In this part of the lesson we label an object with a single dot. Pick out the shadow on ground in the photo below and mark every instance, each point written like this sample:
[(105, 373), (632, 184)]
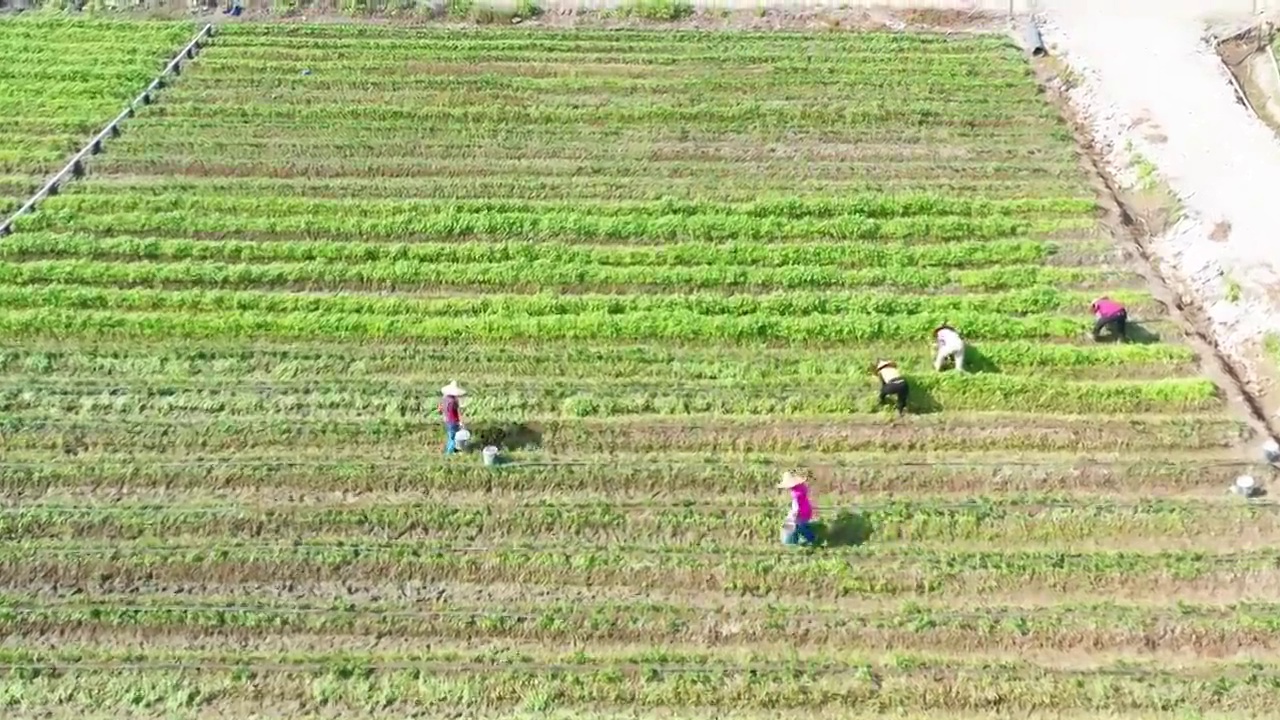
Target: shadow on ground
[(847, 529), (505, 436), (975, 361)]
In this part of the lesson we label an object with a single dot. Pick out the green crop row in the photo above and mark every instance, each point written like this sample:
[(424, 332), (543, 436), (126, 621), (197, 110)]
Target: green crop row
[(917, 524), (656, 152), (746, 114), (667, 209), (63, 27), (600, 164), (551, 275), (361, 691), (422, 473), (72, 105), (946, 432), (273, 70), (576, 398), (978, 315), (757, 254), (275, 363), (595, 326), (549, 226), (500, 364)]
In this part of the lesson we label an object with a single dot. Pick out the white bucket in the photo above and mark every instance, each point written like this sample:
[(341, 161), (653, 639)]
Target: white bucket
[(490, 455), (1245, 485), (461, 438), (1271, 450), (787, 536)]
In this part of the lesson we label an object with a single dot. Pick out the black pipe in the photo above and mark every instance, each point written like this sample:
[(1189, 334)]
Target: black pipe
[(1034, 43)]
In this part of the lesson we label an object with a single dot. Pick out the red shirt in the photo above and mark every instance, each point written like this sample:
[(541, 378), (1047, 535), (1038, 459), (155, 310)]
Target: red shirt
[(1106, 307), (449, 408)]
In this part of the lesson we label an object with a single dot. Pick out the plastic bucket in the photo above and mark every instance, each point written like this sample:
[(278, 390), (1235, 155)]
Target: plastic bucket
[(490, 455), (789, 535), (1271, 451), (461, 438), (1245, 485)]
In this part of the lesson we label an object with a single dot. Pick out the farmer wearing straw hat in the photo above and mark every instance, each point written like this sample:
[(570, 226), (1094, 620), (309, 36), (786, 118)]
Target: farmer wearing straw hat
[(892, 383), (950, 345), (452, 413), (801, 516)]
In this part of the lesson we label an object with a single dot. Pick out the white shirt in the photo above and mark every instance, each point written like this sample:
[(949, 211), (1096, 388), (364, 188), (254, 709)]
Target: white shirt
[(949, 338)]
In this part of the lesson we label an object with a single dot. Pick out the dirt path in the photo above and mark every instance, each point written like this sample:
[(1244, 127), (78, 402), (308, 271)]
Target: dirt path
[(1162, 107)]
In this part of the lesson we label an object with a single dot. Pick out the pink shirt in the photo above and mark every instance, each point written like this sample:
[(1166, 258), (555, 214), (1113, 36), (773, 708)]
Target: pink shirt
[(1106, 307), (800, 506), (449, 408)]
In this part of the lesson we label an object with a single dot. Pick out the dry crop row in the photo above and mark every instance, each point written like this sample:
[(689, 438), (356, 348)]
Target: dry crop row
[(915, 524), (909, 627), (728, 569), (355, 686)]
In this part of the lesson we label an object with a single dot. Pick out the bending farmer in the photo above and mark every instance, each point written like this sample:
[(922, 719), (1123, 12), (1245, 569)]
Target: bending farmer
[(892, 383), (1109, 312), (452, 413), (801, 515), (949, 346)]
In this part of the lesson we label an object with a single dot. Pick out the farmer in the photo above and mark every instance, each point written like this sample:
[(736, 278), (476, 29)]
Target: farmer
[(1109, 312), (949, 346), (801, 515), (892, 383), (452, 414)]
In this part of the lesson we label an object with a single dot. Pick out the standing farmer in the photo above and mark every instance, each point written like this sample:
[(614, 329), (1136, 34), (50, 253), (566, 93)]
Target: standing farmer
[(950, 345), (801, 515), (1109, 312), (892, 383), (452, 413)]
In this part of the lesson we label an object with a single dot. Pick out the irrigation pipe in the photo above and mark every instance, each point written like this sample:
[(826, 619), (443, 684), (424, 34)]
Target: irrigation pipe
[(75, 167)]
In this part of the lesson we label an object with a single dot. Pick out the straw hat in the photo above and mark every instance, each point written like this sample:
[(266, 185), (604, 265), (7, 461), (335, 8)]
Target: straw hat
[(884, 364), (452, 389), (790, 480)]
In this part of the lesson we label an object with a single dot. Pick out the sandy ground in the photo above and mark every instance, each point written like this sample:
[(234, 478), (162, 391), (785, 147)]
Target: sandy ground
[(1150, 84)]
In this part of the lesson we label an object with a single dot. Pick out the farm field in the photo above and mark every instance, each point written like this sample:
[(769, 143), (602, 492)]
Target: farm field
[(62, 81), (662, 262)]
